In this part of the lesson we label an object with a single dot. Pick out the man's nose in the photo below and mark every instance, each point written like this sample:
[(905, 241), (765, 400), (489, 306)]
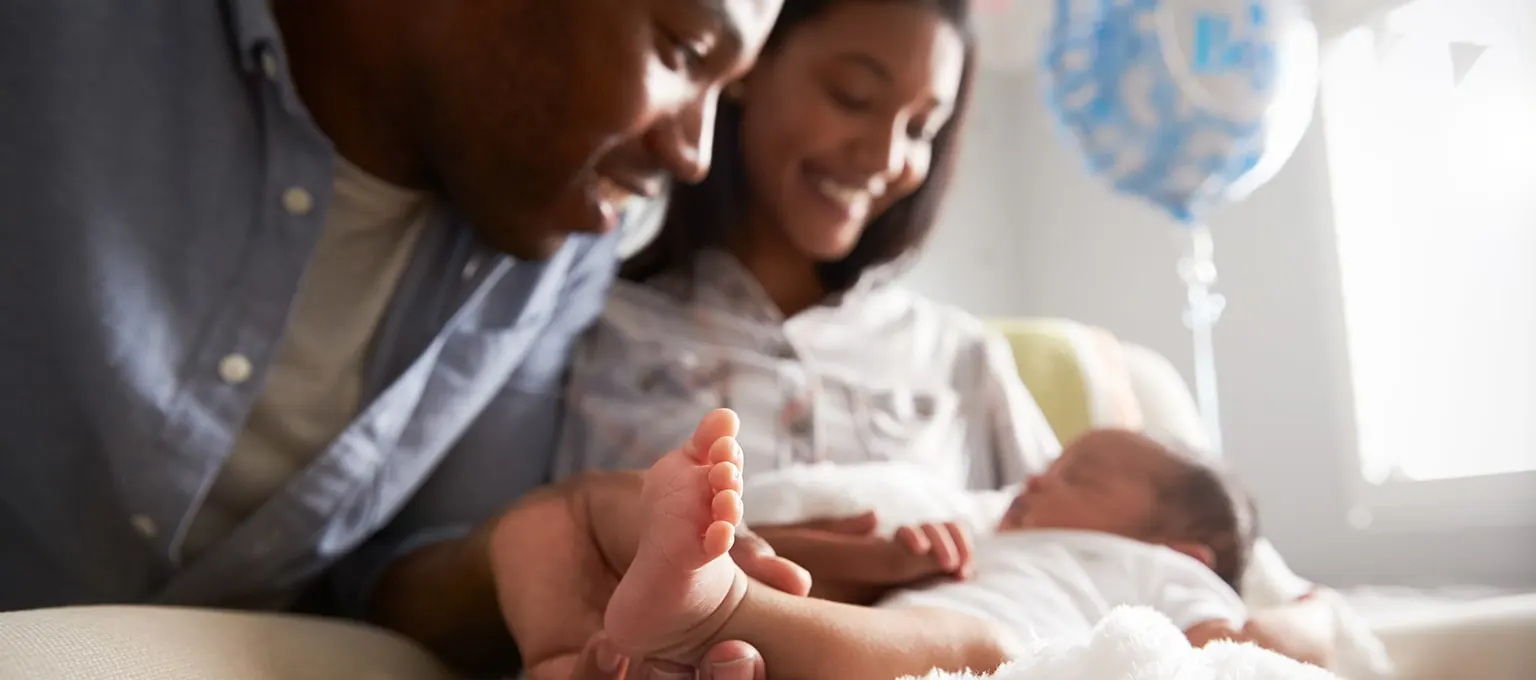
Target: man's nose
[(685, 142)]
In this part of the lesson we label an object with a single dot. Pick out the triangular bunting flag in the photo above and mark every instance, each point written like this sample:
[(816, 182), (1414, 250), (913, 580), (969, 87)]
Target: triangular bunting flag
[(1464, 56), (1386, 38)]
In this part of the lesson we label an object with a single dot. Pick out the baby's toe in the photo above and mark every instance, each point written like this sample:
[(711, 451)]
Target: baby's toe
[(725, 450), (718, 539), (726, 507), (725, 477)]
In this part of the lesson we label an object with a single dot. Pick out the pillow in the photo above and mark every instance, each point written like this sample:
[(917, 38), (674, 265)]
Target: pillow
[(1077, 374)]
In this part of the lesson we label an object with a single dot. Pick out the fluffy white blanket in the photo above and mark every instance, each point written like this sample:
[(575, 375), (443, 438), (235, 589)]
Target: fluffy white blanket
[(1135, 643)]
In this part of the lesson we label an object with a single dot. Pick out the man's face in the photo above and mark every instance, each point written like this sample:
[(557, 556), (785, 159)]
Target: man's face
[(539, 118)]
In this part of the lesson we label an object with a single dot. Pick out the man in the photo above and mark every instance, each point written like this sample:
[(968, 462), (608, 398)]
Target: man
[(289, 284)]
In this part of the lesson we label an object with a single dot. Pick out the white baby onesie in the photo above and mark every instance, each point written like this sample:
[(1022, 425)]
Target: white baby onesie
[(1059, 584)]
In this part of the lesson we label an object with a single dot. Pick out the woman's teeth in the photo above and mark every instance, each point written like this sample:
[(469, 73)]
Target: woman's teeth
[(842, 193)]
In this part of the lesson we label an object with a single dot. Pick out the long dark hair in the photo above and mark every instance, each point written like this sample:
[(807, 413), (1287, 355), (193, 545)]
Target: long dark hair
[(706, 215)]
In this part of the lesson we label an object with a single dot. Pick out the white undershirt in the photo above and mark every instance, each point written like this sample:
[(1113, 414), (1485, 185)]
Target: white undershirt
[(314, 387)]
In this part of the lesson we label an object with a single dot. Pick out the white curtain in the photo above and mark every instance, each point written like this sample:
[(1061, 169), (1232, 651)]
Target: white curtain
[(1430, 116)]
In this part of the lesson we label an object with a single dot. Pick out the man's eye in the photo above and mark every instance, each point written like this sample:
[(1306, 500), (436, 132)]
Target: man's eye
[(693, 53), (687, 55)]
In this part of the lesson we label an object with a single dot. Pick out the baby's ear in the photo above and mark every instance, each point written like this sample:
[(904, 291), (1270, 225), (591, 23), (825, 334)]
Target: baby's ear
[(1204, 554)]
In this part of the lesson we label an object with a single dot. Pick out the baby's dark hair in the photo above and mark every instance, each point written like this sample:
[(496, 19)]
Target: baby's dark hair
[(1205, 503)]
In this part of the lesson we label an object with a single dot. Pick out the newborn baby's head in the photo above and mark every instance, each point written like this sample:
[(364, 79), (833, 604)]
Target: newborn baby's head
[(1120, 482)]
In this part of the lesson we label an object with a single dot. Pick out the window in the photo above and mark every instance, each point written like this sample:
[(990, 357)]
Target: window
[(1430, 115)]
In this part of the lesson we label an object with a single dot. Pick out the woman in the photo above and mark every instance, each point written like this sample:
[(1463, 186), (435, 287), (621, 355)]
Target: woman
[(768, 288)]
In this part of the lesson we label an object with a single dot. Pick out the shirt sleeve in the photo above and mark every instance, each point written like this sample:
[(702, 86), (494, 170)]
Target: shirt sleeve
[(494, 463), (1188, 593), (1022, 442)]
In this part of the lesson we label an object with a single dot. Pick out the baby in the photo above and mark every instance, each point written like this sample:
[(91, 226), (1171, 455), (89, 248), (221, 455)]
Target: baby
[(1117, 520)]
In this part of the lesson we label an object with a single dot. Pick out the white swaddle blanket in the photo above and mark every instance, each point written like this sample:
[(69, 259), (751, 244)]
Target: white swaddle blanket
[(902, 495), (1059, 584)]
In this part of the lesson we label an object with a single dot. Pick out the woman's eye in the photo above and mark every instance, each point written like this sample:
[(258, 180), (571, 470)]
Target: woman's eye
[(850, 101), (921, 133)]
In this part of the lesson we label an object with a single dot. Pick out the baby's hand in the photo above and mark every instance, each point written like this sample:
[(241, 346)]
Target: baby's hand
[(1202, 634), (946, 546)]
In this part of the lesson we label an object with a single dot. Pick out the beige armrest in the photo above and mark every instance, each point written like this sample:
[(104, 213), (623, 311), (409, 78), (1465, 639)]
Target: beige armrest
[(149, 643), (1485, 640)]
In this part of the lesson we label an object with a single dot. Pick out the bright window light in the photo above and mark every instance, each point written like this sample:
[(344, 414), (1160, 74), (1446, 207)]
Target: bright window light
[(1430, 116)]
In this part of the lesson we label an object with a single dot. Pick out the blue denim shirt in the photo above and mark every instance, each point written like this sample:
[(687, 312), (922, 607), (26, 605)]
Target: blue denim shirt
[(145, 151)]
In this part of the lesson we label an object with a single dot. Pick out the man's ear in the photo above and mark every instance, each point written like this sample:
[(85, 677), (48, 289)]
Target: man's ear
[(735, 91), (1199, 551)]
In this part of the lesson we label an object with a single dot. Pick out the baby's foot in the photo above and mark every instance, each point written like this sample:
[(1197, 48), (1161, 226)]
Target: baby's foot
[(682, 586)]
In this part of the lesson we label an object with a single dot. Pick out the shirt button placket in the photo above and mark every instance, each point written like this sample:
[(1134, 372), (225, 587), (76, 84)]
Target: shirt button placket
[(235, 369), (144, 525), (298, 201), (269, 65)]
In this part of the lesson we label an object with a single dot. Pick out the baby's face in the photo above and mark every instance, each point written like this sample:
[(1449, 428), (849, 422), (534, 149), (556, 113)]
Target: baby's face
[(1104, 481)]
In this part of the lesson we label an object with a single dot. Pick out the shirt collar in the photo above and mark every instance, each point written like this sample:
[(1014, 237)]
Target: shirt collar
[(720, 281), (253, 29)]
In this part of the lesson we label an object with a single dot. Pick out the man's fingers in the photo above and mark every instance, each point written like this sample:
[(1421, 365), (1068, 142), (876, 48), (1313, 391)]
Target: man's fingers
[(599, 660), (757, 560), (732, 661), (660, 670)]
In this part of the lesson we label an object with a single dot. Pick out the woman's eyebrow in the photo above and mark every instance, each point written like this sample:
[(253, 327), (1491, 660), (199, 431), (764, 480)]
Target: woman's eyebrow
[(869, 63)]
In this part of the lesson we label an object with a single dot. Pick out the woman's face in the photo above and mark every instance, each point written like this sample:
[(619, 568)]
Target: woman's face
[(838, 123)]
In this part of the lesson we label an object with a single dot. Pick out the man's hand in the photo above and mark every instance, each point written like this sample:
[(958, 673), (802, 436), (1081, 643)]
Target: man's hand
[(557, 557), (757, 558), (725, 661), (849, 563)]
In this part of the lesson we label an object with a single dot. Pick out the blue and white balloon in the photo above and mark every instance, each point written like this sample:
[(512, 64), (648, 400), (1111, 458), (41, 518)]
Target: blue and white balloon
[(1186, 103)]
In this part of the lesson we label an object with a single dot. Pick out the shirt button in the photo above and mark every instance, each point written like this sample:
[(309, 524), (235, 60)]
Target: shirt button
[(297, 201), (471, 268), (268, 63), (235, 369), (145, 526)]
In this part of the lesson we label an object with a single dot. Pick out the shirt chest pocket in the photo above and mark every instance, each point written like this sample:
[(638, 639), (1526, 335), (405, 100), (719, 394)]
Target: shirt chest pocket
[(671, 374), (908, 424), (633, 406)]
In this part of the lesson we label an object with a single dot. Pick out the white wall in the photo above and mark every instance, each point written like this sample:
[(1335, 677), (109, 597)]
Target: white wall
[(1027, 232)]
